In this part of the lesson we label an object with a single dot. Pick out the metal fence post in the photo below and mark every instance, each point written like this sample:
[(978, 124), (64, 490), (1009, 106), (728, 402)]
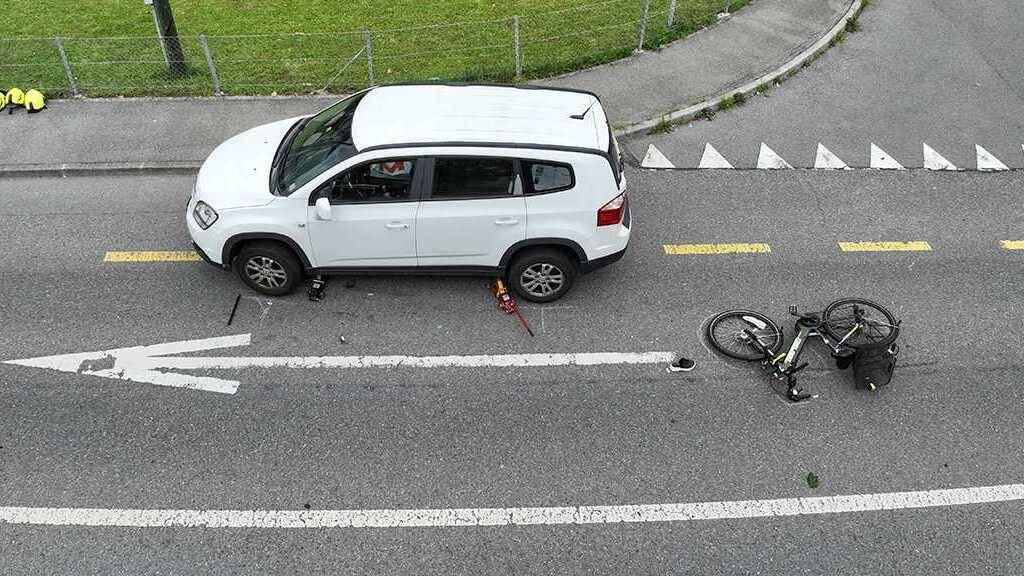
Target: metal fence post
[(209, 62), (368, 41), (519, 47), (642, 33), (67, 66), (671, 15)]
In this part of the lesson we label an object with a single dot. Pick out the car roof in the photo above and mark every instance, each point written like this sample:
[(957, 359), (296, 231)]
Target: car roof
[(479, 114)]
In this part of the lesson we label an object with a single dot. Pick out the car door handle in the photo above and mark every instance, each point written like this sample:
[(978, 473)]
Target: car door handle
[(506, 221), (397, 225)]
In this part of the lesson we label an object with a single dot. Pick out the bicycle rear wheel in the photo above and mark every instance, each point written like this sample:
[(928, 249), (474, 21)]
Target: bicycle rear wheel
[(877, 325), (727, 333)]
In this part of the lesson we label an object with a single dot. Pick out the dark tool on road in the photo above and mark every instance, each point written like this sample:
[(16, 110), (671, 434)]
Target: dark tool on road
[(234, 309), (858, 332), (316, 288), (508, 304)]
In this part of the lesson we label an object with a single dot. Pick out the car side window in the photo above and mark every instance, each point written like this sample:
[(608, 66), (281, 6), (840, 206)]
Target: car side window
[(457, 177), (548, 176), (382, 181)]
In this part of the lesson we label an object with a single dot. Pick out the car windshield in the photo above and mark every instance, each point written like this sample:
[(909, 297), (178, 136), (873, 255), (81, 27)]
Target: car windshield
[(316, 144)]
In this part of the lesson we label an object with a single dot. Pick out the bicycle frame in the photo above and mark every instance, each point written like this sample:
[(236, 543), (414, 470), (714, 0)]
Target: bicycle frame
[(784, 365)]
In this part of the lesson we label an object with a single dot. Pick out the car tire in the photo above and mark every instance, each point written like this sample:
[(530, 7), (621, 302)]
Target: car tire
[(268, 268), (535, 274)]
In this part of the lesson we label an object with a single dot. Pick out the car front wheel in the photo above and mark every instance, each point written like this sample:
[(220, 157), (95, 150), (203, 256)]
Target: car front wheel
[(268, 268), (543, 275)]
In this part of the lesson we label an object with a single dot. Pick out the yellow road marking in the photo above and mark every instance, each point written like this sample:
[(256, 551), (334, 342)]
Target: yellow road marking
[(152, 256), (688, 249), (918, 246), (1012, 244)]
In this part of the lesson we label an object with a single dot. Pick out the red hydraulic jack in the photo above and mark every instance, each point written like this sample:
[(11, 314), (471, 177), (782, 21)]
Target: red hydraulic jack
[(507, 303)]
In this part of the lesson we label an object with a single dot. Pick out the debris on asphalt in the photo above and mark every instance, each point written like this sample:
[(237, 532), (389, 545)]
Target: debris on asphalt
[(316, 288), (234, 309), (812, 480)]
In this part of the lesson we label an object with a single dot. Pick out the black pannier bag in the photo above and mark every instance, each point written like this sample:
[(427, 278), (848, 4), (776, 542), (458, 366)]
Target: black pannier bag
[(873, 365)]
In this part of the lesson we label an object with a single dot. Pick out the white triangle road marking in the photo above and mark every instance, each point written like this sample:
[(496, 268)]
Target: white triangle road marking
[(987, 162), (880, 159), (711, 158), (935, 161), (655, 159), (826, 160), (767, 159)]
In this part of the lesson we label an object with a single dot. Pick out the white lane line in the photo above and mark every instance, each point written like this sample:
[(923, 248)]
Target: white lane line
[(655, 159), (987, 162), (826, 160), (480, 361), (469, 517), (935, 161), (712, 159), (767, 159), (880, 159)]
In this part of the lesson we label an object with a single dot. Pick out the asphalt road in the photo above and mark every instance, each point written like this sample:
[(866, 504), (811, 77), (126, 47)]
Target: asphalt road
[(486, 437), (941, 72)]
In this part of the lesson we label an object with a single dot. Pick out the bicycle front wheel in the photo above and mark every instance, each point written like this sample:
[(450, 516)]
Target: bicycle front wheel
[(856, 323), (730, 333)]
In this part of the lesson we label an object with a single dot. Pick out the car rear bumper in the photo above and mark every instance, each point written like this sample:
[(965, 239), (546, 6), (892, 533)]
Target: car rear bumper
[(603, 261)]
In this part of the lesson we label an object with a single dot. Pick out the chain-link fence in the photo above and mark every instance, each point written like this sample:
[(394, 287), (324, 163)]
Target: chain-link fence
[(502, 50)]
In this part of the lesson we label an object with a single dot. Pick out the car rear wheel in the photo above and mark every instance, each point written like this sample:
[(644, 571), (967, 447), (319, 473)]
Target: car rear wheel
[(268, 268), (542, 275)]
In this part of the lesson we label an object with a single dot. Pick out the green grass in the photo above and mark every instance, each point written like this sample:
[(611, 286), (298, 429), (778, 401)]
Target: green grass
[(301, 47)]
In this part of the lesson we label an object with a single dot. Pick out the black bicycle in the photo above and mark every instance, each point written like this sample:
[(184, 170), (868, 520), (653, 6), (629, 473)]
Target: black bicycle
[(846, 326)]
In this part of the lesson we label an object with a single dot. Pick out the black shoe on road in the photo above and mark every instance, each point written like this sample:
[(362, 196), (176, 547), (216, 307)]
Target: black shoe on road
[(681, 365)]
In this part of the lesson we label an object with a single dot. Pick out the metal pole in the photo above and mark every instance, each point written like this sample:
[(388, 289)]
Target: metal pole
[(209, 62), (368, 40), (67, 65), (671, 15), (175, 57), (519, 47), (642, 33)]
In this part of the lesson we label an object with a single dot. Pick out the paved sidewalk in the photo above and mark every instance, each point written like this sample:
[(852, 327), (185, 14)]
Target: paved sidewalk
[(744, 46)]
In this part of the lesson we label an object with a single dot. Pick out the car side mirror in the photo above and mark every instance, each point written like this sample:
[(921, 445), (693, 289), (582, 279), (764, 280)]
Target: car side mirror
[(323, 209)]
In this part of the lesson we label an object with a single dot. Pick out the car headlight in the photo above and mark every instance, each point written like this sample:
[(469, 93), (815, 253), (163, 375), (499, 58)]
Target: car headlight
[(204, 215)]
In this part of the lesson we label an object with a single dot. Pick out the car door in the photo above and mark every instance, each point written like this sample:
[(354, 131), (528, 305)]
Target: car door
[(472, 211), (373, 216)]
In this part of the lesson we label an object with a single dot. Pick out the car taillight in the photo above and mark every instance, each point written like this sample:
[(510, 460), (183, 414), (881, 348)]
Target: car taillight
[(611, 213)]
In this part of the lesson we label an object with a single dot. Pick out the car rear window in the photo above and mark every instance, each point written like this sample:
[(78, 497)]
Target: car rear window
[(548, 176)]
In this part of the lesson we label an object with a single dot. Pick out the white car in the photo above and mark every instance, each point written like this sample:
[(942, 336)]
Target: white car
[(520, 182)]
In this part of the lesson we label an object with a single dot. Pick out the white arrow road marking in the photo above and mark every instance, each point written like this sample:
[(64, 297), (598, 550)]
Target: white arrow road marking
[(470, 517), (655, 159), (880, 160), (987, 162), (767, 159), (935, 161), (137, 363), (711, 158), (825, 159), (148, 364)]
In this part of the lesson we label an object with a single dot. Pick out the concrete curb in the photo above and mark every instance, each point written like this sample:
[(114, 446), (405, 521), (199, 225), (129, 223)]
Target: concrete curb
[(98, 169), (712, 104)]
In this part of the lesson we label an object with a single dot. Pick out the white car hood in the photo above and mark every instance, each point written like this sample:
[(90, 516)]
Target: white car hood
[(237, 173)]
